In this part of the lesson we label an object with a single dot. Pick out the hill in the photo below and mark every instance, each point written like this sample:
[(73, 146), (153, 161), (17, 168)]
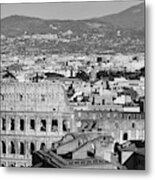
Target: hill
[(121, 32), (132, 18)]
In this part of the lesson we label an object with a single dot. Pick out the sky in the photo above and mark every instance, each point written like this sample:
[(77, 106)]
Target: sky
[(67, 10)]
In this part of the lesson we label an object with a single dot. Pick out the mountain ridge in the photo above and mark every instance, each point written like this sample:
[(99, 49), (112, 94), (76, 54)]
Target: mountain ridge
[(131, 18), (128, 18)]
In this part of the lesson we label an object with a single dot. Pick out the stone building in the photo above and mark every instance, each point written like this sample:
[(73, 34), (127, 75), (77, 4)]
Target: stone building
[(35, 115), (122, 126), (32, 115)]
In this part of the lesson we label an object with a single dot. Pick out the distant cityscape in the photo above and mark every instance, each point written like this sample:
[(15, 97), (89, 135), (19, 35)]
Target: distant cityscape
[(73, 92)]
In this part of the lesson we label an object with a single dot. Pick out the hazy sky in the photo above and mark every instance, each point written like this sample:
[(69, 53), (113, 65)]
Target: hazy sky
[(76, 10)]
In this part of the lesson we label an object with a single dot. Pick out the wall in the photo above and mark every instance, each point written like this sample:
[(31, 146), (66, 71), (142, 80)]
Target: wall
[(22, 103)]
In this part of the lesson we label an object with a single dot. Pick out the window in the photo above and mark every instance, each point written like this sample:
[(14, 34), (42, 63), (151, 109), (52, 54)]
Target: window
[(42, 97), (3, 165), (12, 148), (2, 97), (66, 126), (129, 116), (42, 146), (20, 97), (32, 124), (125, 136), (54, 125), (3, 124), (22, 124), (43, 125), (3, 147), (12, 128), (13, 165), (103, 102), (104, 138), (133, 125), (22, 148), (32, 147), (93, 101)]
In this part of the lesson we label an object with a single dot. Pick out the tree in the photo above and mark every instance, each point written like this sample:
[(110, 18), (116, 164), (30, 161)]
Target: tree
[(82, 75)]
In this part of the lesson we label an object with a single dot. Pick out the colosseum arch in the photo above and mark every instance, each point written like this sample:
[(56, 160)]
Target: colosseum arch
[(42, 146), (22, 148), (125, 136), (2, 96), (54, 126), (3, 124), (12, 147), (66, 125), (129, 116), (3, 147), (3, 164), (43, 125), (32, 147), (133, 124)]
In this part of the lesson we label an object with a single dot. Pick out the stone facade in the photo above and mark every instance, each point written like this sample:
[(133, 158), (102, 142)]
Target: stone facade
[(33, 116), (121, 126)]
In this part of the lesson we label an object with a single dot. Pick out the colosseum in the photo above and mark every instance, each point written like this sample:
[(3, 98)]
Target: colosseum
[(32, 115), (35, 115)]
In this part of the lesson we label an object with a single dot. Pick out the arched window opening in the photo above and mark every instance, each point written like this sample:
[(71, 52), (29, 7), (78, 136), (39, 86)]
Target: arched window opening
[(32, 147), (104, 138), (13, 165), (133, 125), (129, 116), (12, 148), (54, 125), (2, 97), (22, 148), (125, 136), (3, 147), (3, 124), (20, 97), (3, 165), (42, 146), (66, 126), (22, 124), (12, 128), (43, 125), (32, 124)]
